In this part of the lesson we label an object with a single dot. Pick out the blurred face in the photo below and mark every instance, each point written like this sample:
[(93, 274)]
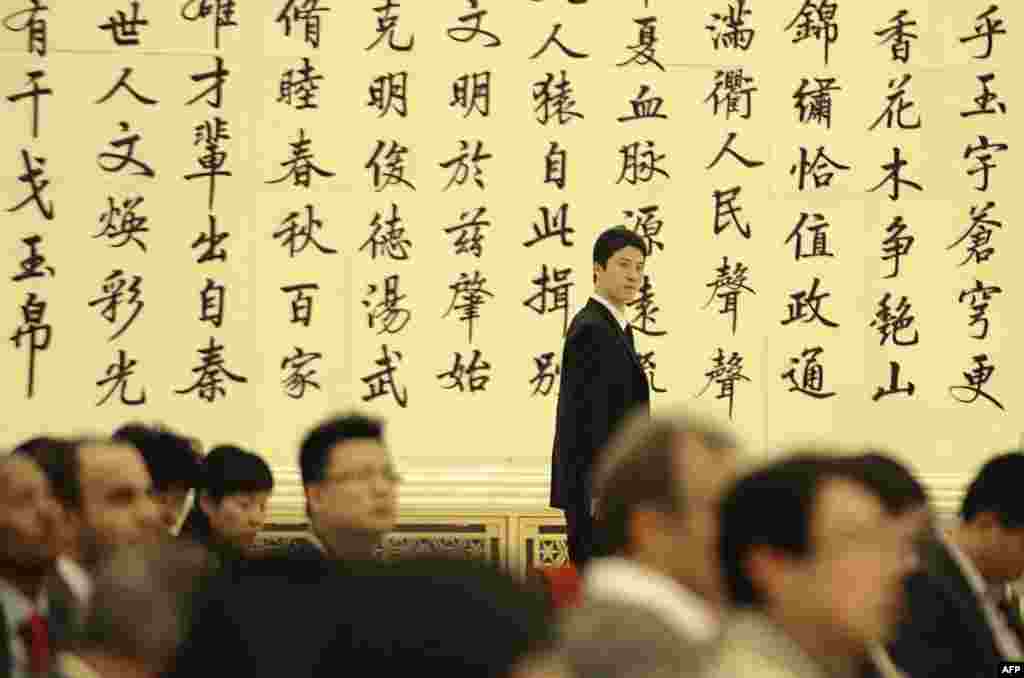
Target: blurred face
[(237, 518), (117, 507), (170, 504), (29, 540), (360, 490), (1002, 549), (853, 582), (706, 476), (620, 279)]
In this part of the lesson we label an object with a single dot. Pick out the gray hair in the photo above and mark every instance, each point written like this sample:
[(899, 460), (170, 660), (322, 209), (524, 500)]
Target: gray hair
[(141, 601)]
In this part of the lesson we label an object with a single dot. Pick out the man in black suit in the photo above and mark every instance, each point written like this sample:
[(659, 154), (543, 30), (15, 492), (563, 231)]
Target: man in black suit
[(955, 626), (601, 381)]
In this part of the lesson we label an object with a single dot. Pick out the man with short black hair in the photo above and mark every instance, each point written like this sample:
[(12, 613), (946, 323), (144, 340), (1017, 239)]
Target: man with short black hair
[(602, 380), (814, 566), (351, 485), (960, 622)]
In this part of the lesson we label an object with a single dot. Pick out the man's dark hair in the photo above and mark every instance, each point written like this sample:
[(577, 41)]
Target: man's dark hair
[(614, 239), (772, 506), (170, 457), (889, 480), (639, 472), (316, 447), (58, 458), (997, 488)]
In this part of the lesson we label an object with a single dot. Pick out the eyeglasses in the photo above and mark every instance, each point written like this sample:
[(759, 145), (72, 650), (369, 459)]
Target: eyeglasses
[(365, 475)]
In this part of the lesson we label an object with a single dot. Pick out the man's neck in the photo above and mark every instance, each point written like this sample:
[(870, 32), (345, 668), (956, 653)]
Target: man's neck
[(345, 545), (28, 582), (109, 666), (837, 657)]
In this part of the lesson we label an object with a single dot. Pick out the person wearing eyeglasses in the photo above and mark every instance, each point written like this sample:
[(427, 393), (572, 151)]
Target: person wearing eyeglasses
[(231, 505), (351, 486)]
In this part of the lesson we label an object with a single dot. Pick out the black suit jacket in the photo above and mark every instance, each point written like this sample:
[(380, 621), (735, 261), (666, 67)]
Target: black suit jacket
[(945, 633), (601, 381), (60, 623)]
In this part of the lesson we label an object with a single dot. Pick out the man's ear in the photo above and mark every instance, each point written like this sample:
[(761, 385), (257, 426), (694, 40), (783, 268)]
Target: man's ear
[(313, 495), (766, 568)]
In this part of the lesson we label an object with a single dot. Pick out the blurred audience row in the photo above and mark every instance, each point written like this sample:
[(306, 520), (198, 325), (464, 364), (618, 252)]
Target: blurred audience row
[(808, 563)]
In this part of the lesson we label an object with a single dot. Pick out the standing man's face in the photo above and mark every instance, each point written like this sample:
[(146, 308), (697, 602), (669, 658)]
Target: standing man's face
[(620, 280), (117, 507)]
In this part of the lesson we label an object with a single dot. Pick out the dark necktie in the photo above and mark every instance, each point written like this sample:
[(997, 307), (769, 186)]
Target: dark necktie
[(35, 634), (629, 337)]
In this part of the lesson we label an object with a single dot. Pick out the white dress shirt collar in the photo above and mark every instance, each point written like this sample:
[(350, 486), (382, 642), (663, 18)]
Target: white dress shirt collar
[(619, 317), (17, 609), (621, 579)]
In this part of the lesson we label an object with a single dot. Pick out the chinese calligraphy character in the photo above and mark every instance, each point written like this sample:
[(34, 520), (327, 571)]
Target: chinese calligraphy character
[(129, 156), (985, 99), (393, 242), (219, 75), (818, 168), (38, 333), (817, 21), (725, 210), (896, 245), (463, 163), (458, 372), (894, 384), (223, 12), (555, 163), (113, 290), (980, 233), (390, 169), (988, 30), (211, 133), (643, 50), (298, 236), (889, 326), (976, 378), (559, 293), (469, 291), (896, 107), (473, 92), (815, 105), (394, 318), (29, 177), (34, 25), (899, 36), (388, 93), (806, 306), (731, 90), (123, 222), (979, 296), (300, 165), (553, 40), (212, 240), (122, 82), (302, 304), (726, 372), (729, 30), (727, 148), (470, 240), (640, 166), (212, 373), (985, 165), (647, 225), (211, 303), (387, 26), (555, 223), (117, 374), (554, 100), (32, 264), (728, 286), (382, 381), (123, 30), (35, 92), (301, 375), (645, 316), (819, 238), (300, 84), (467, 33), (644, 108), (812, 382), (544, 380), (894, 168), (306, 11)]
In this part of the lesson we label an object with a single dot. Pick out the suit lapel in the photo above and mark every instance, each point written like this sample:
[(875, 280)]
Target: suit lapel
[(617, 330)]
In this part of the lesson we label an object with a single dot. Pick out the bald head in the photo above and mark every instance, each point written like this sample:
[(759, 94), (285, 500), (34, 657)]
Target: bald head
[(28, 537)]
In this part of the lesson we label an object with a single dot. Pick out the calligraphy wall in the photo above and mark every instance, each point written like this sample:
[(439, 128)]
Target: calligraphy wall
[(834, 244)]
